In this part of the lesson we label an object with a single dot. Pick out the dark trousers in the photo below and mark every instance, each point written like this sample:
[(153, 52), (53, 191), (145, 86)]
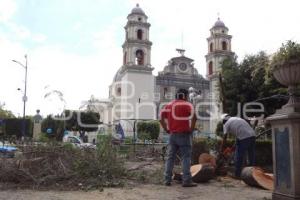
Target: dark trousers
[(242, 147)]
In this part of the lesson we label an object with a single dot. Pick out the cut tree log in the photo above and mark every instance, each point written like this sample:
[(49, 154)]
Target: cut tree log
[(219, 163), (201, 173), (206, 158), (256, 177)]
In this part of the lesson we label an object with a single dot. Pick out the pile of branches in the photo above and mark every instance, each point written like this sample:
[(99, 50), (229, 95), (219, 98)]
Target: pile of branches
[(63, 166), (149, 152)]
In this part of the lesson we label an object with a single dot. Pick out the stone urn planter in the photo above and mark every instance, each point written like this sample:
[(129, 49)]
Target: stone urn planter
[(289, 75), (286, 70)]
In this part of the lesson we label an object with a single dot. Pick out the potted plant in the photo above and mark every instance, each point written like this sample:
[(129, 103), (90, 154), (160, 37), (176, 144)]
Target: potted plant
[(285, 65)]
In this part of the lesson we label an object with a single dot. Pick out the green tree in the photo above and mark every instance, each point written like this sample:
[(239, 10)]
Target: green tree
[(72, 121), (57, 127), (4, 114), (250, 80), (231, 79), (82, 121)]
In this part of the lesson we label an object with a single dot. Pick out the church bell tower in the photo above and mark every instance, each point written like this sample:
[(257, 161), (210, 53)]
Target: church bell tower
[(219, 48), (137, 46), (136, 79)]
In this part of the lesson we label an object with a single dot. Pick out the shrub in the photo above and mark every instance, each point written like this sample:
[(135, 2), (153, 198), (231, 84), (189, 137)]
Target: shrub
[(288, 53), (263, 151), (43, 137), (104, 164), (128, 140), (148, 130)]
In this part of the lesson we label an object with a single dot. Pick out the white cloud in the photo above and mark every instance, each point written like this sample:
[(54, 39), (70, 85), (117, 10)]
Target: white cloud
[(39, 38), (7, 9), (76, 76), (77, 26)]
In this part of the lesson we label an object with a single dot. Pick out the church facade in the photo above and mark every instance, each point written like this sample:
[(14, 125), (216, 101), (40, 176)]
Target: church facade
[(181, 73), (136, 94)]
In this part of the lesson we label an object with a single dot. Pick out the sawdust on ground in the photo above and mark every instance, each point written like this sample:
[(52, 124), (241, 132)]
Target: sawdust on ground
[(221, 189)]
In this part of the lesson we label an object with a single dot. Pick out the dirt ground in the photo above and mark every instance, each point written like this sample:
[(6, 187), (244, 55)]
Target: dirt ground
[(221, 189)]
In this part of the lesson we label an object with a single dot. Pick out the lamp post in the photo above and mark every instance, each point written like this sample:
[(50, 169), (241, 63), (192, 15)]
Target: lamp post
[(24, 96)]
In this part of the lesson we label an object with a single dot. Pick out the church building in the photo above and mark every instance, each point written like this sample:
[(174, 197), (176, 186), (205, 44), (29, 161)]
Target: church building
[(136, 94)]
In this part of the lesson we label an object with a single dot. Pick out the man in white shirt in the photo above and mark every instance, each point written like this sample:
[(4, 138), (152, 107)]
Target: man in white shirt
[(245, 140)]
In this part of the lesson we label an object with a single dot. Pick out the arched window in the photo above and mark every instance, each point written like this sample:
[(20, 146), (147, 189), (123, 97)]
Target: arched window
[(140, 34), (210, 68), (124, 58), (139, 57), (165, 92), (224, 45), (211, 47), (119, 91)]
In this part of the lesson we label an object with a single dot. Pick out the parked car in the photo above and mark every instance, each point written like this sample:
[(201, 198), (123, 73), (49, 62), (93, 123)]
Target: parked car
[(7, 151), (77, 142)]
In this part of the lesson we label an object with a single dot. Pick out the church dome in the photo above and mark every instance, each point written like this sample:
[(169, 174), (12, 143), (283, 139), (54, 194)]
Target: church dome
[(219, 23), (137, 10), (118, 76)]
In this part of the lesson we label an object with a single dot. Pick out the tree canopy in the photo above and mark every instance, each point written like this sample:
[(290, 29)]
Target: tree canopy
[(251, 80), (82, 121), (72, 121), (4, 114)]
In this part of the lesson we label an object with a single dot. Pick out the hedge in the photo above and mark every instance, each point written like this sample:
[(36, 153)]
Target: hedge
[(148, 130), (14, 126)]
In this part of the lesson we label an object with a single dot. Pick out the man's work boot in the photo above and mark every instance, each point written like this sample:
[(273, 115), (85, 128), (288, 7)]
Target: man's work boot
[(167, 183), (189, 184)]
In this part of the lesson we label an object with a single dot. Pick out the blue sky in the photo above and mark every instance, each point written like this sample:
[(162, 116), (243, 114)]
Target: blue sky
[(65, 22), (74, 46)]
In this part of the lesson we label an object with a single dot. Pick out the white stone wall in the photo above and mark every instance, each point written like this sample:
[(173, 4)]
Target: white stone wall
[(135, 86), (140, 86)]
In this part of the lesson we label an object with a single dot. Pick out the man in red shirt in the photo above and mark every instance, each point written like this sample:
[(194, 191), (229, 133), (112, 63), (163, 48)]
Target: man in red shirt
[(178, 119)]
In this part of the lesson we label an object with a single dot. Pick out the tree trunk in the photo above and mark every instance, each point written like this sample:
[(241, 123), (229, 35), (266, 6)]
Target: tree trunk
[(256, 177), (201, 173), (206, 158)]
